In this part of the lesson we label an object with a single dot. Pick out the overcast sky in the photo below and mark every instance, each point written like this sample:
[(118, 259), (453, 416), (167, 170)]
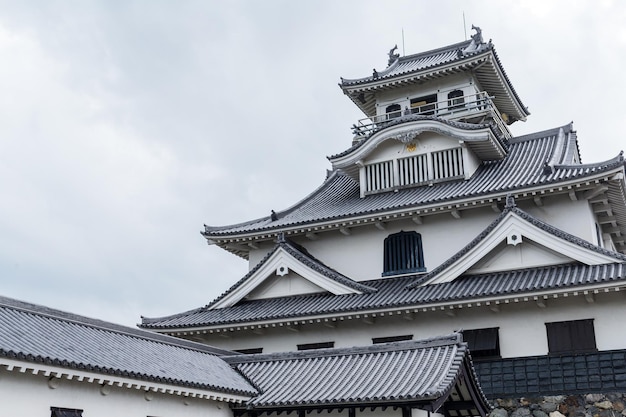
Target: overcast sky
[(127, 125)]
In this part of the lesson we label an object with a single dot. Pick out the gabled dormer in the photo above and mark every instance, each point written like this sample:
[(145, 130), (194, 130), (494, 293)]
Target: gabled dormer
[(459, 94)]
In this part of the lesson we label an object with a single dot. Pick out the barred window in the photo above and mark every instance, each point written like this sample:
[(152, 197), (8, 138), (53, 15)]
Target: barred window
[(403, 254)]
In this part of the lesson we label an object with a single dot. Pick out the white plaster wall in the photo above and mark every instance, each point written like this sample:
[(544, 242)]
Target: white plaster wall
[(426, 142), (27, 395), (290, 284), (522, 326), (441, 87), (360, 255), (574, 217)]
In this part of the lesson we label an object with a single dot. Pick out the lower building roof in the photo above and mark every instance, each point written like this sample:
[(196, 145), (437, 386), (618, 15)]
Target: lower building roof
[(422, 374), (45, 336), (392, 293)]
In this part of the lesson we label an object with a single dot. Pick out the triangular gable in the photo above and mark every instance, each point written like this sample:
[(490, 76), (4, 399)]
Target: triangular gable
[(288, 267), (513, 228)]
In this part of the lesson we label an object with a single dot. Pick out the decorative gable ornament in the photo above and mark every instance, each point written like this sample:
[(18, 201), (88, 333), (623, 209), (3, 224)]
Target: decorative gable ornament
[(282, 265), (516, 227)]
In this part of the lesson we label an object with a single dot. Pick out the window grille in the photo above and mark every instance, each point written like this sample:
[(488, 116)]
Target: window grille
[(379, 176), (448, 163), (403, 254), (413, 170)]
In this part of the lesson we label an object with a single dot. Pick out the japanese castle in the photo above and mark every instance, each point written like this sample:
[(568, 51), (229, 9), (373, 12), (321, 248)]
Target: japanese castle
[(442, 264)]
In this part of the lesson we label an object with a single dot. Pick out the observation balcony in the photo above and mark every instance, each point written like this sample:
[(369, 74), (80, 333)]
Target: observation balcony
[(474, 108)]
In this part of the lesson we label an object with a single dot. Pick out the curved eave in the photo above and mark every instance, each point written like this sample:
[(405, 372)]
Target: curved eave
[(407, 310), (363, 94), (485, 65), (237, 243), (492, 78), (482, 141)]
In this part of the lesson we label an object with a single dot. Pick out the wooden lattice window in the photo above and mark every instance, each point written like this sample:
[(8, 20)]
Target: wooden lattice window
[(448, 164)]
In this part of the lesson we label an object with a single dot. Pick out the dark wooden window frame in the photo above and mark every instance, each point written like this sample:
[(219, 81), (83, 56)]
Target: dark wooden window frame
[(573, 336), (319, 345), (483, 343), (393, 111), (249, 351), (403, 254), (390, 339), (456, 99), (65, 412)]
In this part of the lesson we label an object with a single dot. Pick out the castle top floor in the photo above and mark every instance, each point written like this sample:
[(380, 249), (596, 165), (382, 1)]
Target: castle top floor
[(461, 82)]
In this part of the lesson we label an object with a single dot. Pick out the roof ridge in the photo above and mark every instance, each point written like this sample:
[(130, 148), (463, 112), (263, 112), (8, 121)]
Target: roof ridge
[(413, 118), (406, 58), (511, 207), (339, 277), (542, 134), (616, 160)]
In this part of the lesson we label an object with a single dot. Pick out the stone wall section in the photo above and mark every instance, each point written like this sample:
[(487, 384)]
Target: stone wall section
[(585, 405)]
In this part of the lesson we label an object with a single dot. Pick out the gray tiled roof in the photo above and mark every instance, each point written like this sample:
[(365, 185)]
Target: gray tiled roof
[(302, 255), (395, 372), (339, 196), (393, 293), (37, 334), (512, 208), (481, 58), (418, 62), (410, 291)]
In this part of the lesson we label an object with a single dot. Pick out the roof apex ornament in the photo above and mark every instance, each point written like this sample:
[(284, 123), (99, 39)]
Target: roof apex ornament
[(478, 36), (510, 202), (273, 216), (393, 56)]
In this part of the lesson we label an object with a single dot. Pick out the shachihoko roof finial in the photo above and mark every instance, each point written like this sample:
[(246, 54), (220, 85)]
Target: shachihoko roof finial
[(478, 36), (393, 55), (273, 216)]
